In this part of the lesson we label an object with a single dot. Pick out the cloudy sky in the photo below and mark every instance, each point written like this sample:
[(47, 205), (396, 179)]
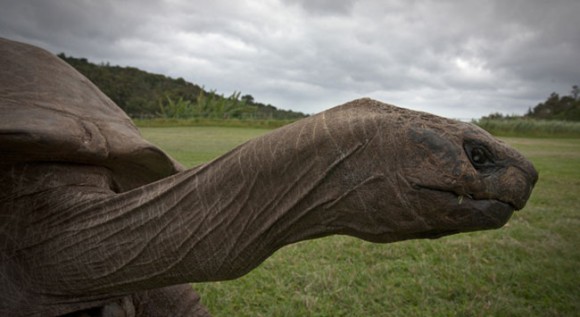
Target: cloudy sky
[(460, 59)]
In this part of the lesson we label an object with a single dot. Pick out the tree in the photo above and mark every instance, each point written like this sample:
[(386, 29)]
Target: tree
[(558, 108), (575, 92), (248, 99)]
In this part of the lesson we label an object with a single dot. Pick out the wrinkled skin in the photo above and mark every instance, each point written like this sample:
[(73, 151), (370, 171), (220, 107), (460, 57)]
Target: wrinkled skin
[(80, 236)]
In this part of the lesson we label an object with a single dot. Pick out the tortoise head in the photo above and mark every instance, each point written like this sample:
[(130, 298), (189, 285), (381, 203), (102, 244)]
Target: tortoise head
[(469, 179), (439, 176)]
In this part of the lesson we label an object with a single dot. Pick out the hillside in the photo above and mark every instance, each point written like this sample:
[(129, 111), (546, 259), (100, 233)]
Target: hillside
[(145, 95)]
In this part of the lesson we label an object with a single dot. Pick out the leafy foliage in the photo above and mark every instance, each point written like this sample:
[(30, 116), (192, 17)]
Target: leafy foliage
[(144, 95), (210, 106), (555, 117), (565, 108)]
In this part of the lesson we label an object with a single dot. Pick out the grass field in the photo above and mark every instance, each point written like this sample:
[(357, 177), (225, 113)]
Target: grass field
[(530, 267)]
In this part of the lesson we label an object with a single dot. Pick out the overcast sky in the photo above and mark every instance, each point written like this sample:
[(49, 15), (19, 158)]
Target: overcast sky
[(459, 59)]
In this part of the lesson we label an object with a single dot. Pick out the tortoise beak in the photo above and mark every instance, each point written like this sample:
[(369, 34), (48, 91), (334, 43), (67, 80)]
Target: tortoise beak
[(521, 179)]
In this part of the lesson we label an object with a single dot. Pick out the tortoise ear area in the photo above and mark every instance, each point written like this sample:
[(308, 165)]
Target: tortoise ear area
[(435, 144)]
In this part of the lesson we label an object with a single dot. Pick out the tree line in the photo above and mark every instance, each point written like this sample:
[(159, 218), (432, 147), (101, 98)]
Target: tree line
[(556, 107), (145, 95)]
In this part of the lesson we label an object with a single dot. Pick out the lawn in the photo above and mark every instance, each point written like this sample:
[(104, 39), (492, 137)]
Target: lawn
[(530, 267)]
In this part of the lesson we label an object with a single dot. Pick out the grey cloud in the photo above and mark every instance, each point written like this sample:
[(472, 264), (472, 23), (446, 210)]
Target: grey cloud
[(460, 59), (325, 7)]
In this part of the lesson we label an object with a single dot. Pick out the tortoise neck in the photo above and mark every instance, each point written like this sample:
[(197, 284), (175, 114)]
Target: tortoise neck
[(214, 222), (29, 178)]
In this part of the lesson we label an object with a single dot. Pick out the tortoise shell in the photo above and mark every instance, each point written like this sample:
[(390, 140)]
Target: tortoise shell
[(49, 112)]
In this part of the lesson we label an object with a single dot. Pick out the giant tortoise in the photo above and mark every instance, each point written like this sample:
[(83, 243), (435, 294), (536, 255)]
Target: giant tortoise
[(96, 221)]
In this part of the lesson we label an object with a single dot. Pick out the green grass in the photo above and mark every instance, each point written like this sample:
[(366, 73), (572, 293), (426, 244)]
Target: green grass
[(530, 267), (192, 146), (204, 122)]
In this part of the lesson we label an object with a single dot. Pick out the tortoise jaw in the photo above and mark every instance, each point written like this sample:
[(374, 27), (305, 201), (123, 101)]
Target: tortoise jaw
[(461, 197), (465, 212), (436, 234)]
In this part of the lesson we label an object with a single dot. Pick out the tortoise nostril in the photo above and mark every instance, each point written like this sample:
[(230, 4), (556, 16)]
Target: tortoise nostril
[(530, 172), (519, 180)]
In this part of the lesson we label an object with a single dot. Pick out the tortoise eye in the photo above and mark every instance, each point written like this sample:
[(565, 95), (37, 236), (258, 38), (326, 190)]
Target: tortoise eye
[(480, 156)]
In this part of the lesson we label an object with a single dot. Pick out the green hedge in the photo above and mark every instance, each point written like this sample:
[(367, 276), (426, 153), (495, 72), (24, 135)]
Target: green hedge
[(530, 128)]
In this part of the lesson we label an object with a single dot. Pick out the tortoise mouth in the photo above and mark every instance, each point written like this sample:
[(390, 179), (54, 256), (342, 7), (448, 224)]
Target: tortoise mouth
[(436, 234), (464, 213), (465, 197)]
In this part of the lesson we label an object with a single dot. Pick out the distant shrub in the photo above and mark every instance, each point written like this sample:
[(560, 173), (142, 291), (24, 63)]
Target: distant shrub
[(530, 128)]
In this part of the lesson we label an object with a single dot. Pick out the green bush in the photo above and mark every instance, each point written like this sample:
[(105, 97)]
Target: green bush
[(530, 128)]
